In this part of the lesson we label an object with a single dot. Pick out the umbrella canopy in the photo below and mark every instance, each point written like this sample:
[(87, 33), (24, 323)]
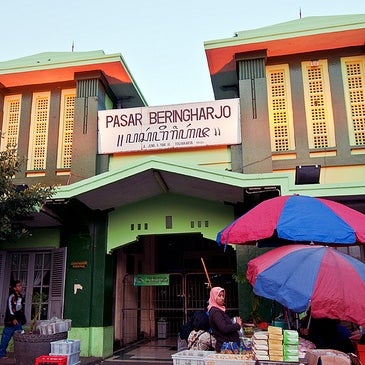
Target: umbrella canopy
[(298, 276), (297, 218)]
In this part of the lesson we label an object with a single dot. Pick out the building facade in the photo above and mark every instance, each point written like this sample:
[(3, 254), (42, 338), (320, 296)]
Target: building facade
[(119, 248)]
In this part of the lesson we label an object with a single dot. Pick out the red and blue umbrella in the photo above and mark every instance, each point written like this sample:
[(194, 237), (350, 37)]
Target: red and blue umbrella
[(298, 276), (297, 218)]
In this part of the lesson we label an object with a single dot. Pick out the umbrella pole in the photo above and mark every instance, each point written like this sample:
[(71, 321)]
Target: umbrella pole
[(287, 316), (206, 273), (297, 321), (309, 320)]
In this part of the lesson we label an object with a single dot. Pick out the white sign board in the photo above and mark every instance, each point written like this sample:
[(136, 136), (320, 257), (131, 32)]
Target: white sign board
[(167, 127)]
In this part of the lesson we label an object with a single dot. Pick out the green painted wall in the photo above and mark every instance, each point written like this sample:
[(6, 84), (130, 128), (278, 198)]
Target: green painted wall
[(40, 238), (188, 215), (217, 157), (89, 267), (94, 341)]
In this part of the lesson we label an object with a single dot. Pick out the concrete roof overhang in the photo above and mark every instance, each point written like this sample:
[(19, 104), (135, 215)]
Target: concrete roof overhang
[(305, 35), (154, 176), (61, 67)]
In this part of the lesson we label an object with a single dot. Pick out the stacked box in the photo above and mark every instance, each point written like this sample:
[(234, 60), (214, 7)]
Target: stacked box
[(191, 357), (275, 341), (48, 360), (68, 348), (65, 346), (260, 346), (72, 359), (291, 345)]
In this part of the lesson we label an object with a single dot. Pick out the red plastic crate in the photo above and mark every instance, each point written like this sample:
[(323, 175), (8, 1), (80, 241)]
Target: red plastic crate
[(360, 352), (51, 360)]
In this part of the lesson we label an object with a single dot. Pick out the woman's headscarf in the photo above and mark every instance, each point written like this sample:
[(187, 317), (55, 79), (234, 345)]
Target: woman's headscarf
[(213, 298)]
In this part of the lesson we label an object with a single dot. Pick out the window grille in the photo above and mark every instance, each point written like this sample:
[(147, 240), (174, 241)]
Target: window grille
[(66, 128), (318, 104), (39, 131), (280, 108), (11, 121), (354, 85)]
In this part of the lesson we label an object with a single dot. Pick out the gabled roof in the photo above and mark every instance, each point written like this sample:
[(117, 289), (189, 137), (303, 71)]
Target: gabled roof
[(57, 67), (154, 176)]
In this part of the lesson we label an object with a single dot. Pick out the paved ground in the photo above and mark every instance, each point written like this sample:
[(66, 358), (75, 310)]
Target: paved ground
[(83, 361), (154, 352), (98, 361)]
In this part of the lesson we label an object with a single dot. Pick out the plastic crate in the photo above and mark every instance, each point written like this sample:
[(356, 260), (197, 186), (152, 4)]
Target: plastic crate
[(228, 359), (49, 359), (190, 357), (63, 347), (72, 359), (62, 325)]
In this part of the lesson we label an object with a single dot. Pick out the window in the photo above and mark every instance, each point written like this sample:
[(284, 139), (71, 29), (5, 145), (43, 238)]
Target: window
[(280, 108), (11, 120), (42, 274), (39, 131), (66, 129), (318, 105), (353, 70)]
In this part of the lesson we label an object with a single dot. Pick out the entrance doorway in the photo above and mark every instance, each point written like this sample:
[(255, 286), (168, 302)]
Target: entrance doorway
[(160, 311), (175, 304)]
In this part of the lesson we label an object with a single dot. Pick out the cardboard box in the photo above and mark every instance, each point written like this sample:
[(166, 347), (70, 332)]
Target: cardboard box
[(327, 357)]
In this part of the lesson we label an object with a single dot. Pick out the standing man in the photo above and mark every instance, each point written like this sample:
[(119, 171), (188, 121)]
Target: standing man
[(14, 316)]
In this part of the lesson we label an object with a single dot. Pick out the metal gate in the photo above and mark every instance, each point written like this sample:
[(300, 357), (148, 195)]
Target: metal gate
[(172, 304)]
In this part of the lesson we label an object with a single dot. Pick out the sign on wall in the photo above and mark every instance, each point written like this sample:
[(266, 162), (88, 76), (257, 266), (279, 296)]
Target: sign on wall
[(151, 280), (170, 126)]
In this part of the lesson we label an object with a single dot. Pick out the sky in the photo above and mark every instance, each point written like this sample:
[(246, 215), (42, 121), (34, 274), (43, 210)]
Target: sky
[(161, 41)]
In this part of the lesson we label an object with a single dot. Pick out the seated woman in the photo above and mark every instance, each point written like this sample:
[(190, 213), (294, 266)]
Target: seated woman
[(200, 337), (327, 333), (221, 324)]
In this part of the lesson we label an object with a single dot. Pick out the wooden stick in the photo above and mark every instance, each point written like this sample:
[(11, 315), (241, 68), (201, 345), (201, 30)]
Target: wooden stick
[(206, 274)]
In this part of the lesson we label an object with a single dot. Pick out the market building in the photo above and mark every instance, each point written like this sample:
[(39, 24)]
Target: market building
[(145, 189)]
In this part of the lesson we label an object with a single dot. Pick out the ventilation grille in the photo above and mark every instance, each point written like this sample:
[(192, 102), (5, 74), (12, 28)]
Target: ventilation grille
[(251, 69), (279, 111), (86, 88), (356, 79), (40, 133), (318, 104), (11, 121), (68, 127)]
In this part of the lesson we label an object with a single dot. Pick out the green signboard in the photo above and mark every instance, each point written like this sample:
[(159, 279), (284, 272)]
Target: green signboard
[(151, 279)]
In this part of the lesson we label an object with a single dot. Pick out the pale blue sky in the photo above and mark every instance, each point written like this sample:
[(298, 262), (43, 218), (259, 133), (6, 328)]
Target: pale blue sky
[(162, 41)]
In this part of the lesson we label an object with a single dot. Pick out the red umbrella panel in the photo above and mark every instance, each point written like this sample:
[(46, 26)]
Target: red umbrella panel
[(299, 219), (298, 276)]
